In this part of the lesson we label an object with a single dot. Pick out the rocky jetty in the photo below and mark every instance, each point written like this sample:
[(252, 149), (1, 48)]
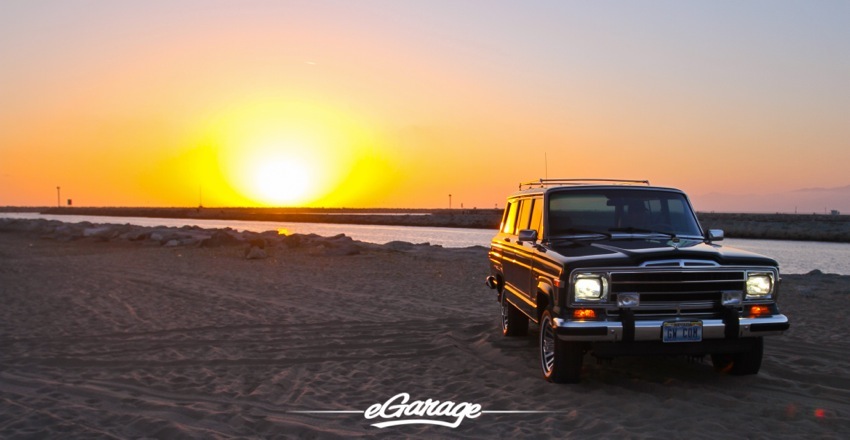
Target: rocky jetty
[(257, 245), (804, 227), (449, 218)]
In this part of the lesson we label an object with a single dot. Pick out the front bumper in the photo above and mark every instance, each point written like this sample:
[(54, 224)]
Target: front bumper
[(650, 330)]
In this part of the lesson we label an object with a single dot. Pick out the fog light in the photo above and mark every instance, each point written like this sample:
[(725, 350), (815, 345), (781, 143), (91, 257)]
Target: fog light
[(756, 311), (628, 300), (584, 314), (732, 298)]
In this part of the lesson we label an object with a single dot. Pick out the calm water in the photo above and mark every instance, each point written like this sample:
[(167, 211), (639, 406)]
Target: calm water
[(794, 257)]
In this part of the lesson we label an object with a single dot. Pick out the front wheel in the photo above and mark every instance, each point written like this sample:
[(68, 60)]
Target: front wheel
[(560, 360), (514, 322), (740, 364)]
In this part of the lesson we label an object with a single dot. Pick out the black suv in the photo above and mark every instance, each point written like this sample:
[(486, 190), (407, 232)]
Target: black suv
[(616, 268)]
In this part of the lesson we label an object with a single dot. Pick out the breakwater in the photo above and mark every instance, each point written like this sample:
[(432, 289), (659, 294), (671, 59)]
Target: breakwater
[(448, 218), (804, 227)]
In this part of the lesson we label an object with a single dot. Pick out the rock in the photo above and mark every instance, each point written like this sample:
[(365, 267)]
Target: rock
[(220, 238), (292, 241), (66, 232), (344, 250), (334, 247), (99, 233), (257, 242), (399, 246), (255, 253), (21, 225), (135, 234), (193, 240)]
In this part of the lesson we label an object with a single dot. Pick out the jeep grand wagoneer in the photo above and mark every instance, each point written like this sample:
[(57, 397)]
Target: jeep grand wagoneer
[(615, 268)]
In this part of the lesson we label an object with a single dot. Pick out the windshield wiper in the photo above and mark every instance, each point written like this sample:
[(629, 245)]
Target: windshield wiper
[(631, 230), (578, 231)]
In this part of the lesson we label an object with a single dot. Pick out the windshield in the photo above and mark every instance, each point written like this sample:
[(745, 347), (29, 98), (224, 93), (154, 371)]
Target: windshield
[(615, 210)]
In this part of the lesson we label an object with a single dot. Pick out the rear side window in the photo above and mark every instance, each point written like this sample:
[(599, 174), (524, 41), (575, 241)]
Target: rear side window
[(524, 215), (509, 221), (537, 217)]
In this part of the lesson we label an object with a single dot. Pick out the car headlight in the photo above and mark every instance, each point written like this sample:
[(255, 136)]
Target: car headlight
[(759, 285), (590, 287)]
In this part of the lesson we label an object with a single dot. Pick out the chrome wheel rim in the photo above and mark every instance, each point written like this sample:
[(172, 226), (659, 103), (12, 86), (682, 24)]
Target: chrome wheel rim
[(547, 346)]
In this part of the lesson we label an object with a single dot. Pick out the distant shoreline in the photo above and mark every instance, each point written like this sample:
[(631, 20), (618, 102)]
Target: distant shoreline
[(448, 218), (803, 227)]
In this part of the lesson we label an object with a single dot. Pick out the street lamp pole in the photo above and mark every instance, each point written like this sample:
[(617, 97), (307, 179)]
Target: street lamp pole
[(58, 198), (450, 201)]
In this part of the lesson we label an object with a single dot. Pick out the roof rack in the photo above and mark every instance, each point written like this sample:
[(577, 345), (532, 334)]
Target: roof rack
[(550, 182)]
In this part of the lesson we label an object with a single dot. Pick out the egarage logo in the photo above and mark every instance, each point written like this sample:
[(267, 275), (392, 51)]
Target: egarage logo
[(401, 410), (397, 411)]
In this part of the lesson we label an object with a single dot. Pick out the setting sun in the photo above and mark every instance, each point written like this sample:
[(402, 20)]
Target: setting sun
[(277, 152), (283, 182), (275, 173), (285, 152)]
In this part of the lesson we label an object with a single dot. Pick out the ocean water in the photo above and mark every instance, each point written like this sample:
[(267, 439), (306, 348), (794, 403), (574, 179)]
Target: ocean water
[(794, 257)]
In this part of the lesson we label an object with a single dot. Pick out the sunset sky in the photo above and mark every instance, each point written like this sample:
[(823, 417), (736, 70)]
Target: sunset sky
[(401, 103)]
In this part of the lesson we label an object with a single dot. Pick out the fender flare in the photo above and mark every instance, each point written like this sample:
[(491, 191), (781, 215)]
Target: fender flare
[(547, 290)]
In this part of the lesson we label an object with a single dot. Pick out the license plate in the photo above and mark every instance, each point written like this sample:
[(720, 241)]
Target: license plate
[(681, 331)]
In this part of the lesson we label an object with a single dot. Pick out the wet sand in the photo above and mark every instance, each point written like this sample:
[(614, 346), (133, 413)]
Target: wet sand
[(108, 338)]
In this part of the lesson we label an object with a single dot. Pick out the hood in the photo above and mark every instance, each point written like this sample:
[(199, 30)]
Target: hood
[(636, 251)]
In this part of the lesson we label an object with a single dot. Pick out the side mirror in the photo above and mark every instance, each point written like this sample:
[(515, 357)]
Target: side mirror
[(715, 235), (527, 235)]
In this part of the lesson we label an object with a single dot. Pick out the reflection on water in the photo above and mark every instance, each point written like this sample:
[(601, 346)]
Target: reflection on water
[(794, 257)]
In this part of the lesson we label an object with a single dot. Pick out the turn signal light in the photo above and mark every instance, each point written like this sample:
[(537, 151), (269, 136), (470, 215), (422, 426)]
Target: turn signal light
[(584, 314), (756, 311)]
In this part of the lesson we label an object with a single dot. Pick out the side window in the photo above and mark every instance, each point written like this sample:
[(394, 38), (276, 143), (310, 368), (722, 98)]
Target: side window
[(509, 222), (524, 214), (537, 217)]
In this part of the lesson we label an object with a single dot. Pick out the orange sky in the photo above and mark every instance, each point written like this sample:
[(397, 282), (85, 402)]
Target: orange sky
[(398, 104)]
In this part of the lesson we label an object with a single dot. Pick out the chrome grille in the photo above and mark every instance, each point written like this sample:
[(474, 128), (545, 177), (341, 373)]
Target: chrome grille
[(677, 293)]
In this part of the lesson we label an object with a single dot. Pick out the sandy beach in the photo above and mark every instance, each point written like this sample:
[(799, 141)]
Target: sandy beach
[(102, 337)]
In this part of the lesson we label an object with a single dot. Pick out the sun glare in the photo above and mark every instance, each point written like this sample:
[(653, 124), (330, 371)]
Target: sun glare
[(282, 182), (277, 172), (291, 153)]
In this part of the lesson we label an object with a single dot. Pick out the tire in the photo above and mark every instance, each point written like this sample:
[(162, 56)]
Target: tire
[(740, 364), (514, 322), (560, 360), (722, 362)]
